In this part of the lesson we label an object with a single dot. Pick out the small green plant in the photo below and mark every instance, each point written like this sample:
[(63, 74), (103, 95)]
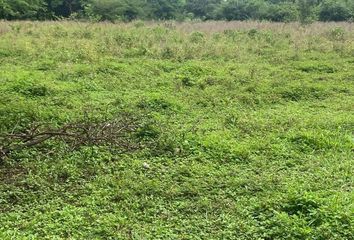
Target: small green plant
[(32, 90), (337, 34), (139, 24), (252, 33), (196, 37), (168, 53)]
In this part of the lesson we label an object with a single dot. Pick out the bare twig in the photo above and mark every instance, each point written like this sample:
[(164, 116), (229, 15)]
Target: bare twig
[(117, 133)]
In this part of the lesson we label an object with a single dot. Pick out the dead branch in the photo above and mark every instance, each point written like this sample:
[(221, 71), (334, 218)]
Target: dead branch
[(117, 133)]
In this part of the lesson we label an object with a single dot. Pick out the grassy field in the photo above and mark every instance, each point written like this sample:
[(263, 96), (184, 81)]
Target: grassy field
[(245, 130)]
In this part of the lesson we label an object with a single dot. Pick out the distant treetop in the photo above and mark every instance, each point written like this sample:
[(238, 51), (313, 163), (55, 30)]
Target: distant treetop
[(127, 10)]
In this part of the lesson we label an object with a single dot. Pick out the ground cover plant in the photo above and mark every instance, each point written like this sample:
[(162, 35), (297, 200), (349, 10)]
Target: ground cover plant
[(164, 130)]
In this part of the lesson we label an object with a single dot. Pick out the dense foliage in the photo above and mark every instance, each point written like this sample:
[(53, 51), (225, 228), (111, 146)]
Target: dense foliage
[(245, 130), (272, 10)]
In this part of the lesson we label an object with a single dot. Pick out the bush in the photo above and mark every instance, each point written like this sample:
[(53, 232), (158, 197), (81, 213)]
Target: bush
[(334, 11), (285, 12), (337, 34), (112, 10), (242, 10)]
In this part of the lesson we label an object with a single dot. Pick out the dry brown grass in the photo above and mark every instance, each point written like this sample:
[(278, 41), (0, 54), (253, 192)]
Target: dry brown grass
[(219, 26), (206, 27), (91, 38), (4, 27)]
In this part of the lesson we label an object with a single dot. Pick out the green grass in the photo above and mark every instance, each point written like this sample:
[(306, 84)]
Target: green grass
[(252, 132)]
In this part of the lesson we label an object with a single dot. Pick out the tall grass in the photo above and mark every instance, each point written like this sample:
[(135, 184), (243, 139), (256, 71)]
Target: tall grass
[(188, 40)]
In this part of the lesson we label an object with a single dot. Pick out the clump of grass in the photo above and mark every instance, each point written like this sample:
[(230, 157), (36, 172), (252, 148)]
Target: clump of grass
[(316, 67), (336, 34)]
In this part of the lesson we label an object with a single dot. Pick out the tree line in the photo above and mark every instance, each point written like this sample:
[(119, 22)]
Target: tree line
[(128, 10)]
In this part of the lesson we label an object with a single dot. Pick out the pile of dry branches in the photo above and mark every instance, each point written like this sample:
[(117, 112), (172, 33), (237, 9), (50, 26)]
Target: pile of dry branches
[(118, 133)]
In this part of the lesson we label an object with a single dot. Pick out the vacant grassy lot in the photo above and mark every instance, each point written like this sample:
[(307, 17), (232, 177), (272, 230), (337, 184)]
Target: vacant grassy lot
[(245, 130)]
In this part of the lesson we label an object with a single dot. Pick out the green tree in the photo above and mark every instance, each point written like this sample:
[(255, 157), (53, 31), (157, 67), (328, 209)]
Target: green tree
[(282, 12), (21, 9), (331, 10), (115, 9), (242, 10), (203, 9), (274, 10), (64, 8), (165, 9), (307, 10)]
